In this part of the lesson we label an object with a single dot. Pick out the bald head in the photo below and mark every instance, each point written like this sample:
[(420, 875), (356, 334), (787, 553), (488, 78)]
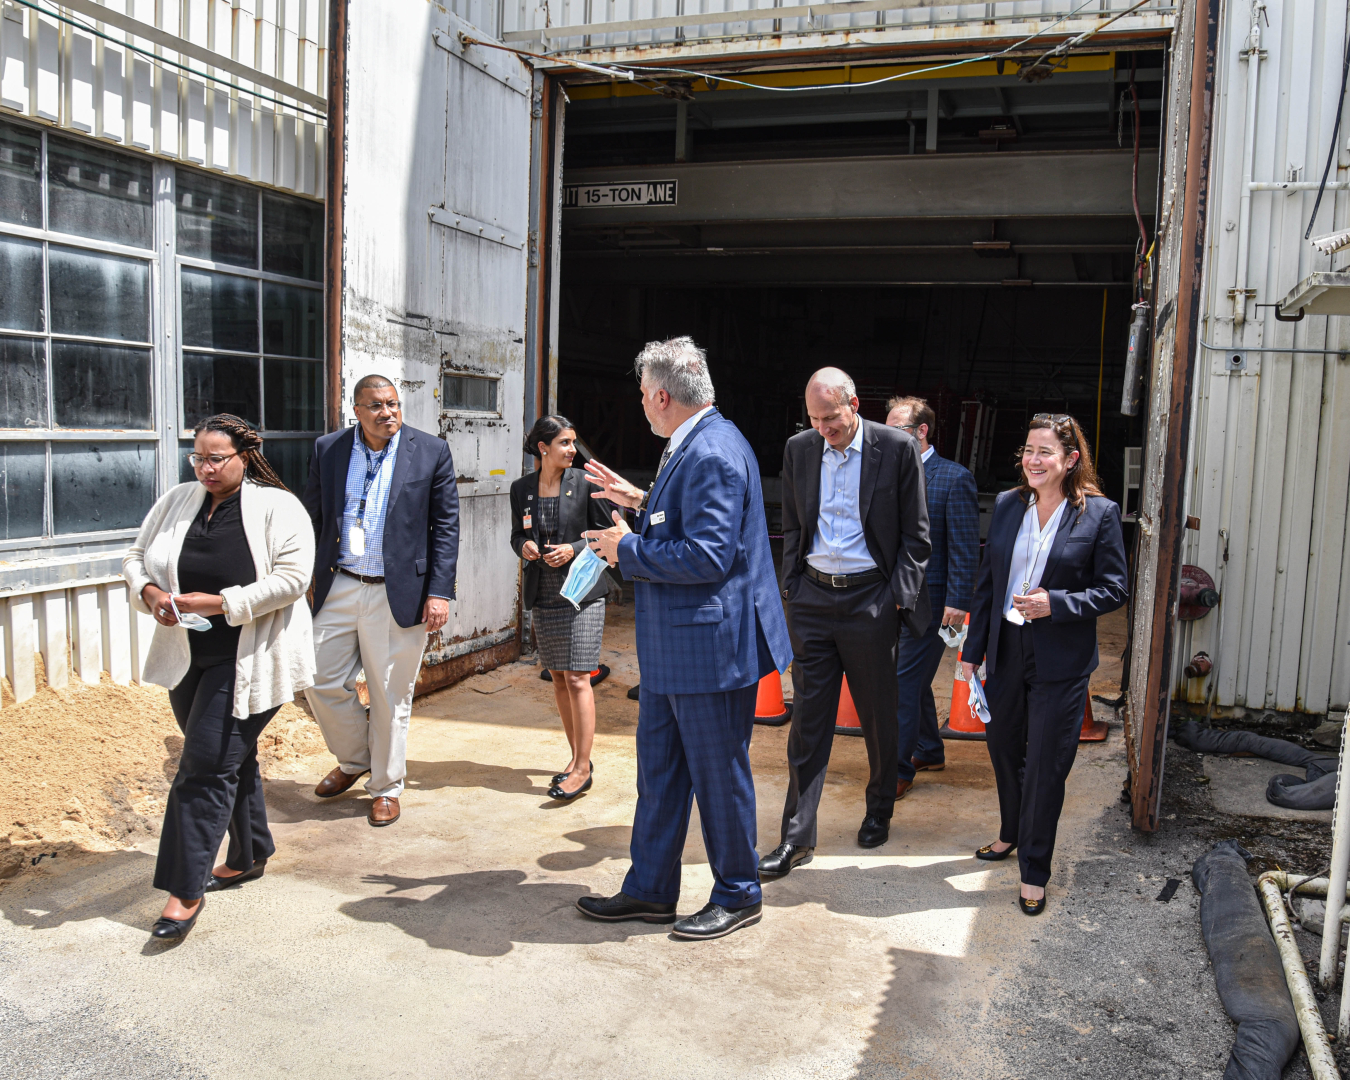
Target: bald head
[(832, 406)]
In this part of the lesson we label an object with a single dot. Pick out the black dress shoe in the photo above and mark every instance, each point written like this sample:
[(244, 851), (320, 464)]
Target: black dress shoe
[(621, 906), (1031, 907), (633, 694), (874, 832), (780, 861), (988, 854), (175, 929), (715, 921), (215, 884)]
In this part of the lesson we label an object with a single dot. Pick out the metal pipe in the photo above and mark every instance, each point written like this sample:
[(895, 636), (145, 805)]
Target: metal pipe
[(1320, 1058), (1246, 348), (1336, 877), (1297, 185), (1253, 55)]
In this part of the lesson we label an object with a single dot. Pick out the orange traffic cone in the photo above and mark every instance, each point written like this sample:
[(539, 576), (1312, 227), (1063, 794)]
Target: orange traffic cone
[(770, 708), (961, 722), (1093, 730), (846, 721)]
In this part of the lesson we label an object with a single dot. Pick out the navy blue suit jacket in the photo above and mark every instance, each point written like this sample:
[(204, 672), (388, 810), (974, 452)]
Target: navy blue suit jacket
[(953, 531), (705, 592), (1084, 575), (421, 523)]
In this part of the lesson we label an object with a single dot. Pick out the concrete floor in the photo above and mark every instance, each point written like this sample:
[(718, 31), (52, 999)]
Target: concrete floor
[(448, 945)]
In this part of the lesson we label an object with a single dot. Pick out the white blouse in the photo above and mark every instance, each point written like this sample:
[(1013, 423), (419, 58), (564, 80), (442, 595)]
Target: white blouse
[(1030, 550)]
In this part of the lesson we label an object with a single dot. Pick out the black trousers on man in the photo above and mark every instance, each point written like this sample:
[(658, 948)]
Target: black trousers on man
[(838, 632), (1033, 738), (218, 786)]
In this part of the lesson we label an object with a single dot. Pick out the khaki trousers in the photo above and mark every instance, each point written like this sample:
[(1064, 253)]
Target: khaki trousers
[(353, 630)]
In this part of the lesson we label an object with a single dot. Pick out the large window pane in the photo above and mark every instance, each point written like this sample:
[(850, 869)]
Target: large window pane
[(220, 311), (289, 458), (217, 384), (98, 486), (294, 395), (23, 484), (293, 237), (23, 383), (97, 295), (100, 386), (98, 193), (217, 220), (20, 166), (292, 321), (20, 283)]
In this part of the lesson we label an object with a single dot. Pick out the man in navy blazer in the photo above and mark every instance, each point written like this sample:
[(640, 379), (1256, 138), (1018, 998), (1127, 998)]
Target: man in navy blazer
[(954, 533), (709, 627), (386, 520)]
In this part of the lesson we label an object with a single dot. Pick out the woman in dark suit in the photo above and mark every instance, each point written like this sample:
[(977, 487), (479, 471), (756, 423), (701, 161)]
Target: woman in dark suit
[(1055, 563), (550, 508)]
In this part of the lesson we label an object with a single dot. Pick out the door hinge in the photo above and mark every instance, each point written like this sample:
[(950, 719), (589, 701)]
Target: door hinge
[(534, 247), (537, 102)]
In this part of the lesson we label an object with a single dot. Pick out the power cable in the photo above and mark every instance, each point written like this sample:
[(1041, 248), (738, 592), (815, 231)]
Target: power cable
[(1335, 133)]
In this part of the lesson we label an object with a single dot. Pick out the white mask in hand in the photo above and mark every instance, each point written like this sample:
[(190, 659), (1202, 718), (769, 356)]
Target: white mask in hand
[(190, 620)]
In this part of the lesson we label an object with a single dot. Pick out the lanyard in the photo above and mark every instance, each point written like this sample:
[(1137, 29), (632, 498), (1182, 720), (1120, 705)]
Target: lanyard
[(1051, 527), (372, 471)]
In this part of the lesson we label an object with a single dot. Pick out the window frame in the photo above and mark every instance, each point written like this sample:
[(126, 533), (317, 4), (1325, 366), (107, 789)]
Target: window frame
[(460, 412)]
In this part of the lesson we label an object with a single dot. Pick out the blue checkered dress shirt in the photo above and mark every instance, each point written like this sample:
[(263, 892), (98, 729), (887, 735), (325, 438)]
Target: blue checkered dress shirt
[(370, 564)]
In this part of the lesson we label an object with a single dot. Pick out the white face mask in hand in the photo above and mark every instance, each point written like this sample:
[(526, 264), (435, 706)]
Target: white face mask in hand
[(190, 620), (581, 578)]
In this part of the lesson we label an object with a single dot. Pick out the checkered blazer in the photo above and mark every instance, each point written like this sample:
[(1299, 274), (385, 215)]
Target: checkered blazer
[(953, 530)]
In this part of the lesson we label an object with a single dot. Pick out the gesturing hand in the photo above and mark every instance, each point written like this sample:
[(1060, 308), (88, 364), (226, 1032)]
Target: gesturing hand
[(605, 542), (613, 486)]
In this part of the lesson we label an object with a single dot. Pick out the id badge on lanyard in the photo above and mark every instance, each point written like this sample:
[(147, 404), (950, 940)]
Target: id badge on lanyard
[(356, 539)]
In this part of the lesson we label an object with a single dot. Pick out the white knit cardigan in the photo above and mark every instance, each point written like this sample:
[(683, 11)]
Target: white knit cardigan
[(276, 646)]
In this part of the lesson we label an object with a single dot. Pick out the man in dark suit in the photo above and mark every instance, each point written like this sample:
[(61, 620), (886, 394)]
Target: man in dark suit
[(954, 533), (709, 627), (386, 517), (855, 543)]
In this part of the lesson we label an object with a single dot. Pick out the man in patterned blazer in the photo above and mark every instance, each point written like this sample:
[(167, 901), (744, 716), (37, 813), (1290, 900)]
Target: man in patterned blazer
[(709, 627), (954, 532)]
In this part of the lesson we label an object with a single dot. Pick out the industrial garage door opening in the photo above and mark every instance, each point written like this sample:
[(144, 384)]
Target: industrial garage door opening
[(970, 239)]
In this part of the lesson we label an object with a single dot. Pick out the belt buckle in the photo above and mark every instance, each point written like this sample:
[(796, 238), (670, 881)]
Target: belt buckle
[(839, 581)]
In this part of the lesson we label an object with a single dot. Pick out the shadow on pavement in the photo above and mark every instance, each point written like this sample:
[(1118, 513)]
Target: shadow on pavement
[(111, 885)]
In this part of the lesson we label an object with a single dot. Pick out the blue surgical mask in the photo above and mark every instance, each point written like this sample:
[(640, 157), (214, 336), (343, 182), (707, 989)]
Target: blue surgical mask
[(581, 578)]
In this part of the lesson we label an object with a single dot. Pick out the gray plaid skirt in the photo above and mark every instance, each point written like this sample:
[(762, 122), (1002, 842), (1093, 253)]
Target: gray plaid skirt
[(568, 639)]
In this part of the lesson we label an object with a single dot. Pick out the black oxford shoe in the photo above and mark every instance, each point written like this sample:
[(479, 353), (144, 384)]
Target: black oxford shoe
[(780, 861), (621, 906), (715, 921), (874, 832)]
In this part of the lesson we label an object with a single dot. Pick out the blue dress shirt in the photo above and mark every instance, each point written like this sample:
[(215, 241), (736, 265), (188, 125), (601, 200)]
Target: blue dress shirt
[(371, 563), (839, 546)]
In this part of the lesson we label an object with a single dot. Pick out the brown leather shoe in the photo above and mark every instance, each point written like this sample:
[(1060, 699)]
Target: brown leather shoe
[(383, 811), (336, 782), (927, 766), (902, 788)]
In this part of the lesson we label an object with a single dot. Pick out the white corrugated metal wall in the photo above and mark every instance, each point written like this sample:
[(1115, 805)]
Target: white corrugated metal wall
[(1271, 447)]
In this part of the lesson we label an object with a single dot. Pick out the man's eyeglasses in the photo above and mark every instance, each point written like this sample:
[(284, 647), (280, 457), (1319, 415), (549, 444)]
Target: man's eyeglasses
[(214, 460), (380, 407)]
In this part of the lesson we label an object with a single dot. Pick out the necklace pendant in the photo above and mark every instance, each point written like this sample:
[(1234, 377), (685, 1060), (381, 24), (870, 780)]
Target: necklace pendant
[(1025, 586)]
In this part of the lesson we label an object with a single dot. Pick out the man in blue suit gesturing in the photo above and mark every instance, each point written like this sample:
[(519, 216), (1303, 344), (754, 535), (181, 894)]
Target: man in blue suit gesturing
[(709, 627)]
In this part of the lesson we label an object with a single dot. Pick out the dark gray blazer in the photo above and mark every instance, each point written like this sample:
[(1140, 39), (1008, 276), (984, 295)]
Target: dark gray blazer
[(894, 512), (577, 513)]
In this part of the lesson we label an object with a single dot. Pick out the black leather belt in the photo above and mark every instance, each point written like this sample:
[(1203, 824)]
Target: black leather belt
[(365, 579), (844, 581)]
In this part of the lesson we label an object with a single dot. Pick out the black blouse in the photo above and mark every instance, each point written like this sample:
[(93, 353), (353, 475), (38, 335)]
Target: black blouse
[(215, 556)]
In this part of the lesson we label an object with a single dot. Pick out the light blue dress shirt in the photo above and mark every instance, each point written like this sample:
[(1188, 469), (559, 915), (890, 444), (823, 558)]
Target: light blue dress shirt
[(839, 546), (371, 563), (1031, 549)]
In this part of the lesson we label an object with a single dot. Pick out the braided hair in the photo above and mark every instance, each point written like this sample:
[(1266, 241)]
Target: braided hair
[(248, 443)]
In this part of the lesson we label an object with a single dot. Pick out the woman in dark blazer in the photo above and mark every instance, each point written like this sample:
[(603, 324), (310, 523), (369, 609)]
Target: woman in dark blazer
[(1054, 564), (550, 508)]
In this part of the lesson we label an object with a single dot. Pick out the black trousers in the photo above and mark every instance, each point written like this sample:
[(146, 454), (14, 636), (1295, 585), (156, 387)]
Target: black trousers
[(838, 632), (1033, 738), (218, 786)]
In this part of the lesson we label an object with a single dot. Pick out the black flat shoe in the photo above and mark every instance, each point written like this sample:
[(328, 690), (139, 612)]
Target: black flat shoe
[(215, 884), (175, 929), (621, 906), (780, 861), (558, 778), (715, 921), (1031, 907), (557, 792), (874, 832), (988, 854)]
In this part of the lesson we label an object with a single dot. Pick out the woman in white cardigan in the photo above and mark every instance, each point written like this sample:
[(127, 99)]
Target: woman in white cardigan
[(222, 564)]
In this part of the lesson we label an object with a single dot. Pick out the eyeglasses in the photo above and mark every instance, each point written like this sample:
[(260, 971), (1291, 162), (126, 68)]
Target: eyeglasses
[(909, 427), (1054, 418), (214, 460), (381, 407)]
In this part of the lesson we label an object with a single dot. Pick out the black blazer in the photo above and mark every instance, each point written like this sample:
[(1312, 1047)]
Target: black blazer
[(893, 509), (577, 512), (421, 522), (1084, 575)]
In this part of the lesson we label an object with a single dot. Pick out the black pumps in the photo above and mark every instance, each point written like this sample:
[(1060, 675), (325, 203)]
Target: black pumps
[(215, 884), (988, 854), (1031, 907), (175, 929)]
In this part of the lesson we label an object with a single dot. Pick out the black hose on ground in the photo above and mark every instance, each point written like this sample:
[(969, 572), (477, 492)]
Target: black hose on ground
[(1247, 965)]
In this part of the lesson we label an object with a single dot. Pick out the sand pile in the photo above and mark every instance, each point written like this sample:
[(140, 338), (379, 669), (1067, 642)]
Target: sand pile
[(87, 768)]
